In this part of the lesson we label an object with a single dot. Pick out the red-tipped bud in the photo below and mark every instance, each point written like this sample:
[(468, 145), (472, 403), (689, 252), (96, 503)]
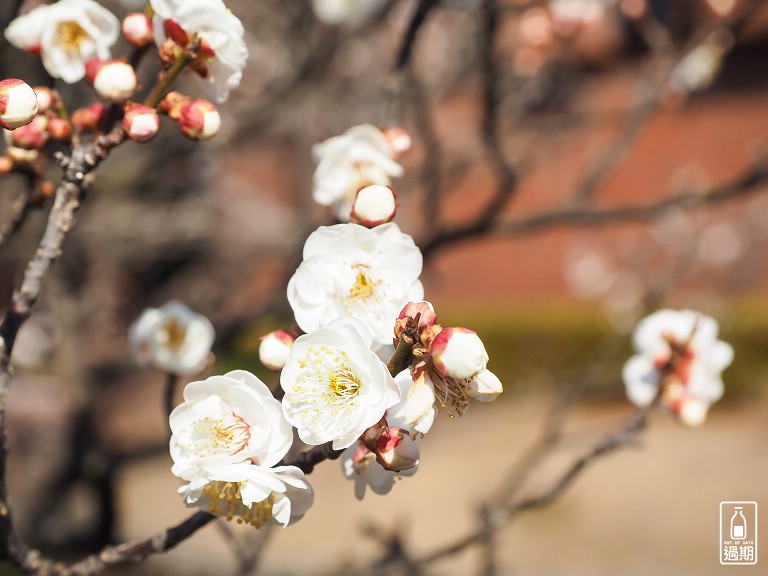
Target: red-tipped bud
[(399, 139), (173, 104), (141, 123), (92, 68), (59, 128), (275, 349), (396, 450), (459, 353), (18, 103), (116, 81), (88, 119), (32, 136), (45, 98), (374, 205), (175, 32), (199, 120), (424, 310), (137, 29)]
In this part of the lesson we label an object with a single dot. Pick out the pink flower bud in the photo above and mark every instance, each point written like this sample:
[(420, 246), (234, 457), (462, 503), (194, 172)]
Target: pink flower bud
[(426, 312), (18, 103), (137, 29), (485, 387), (115, 81), (375, 204), (399, 139), (275, 349), (32, 136), (92, 68), (173, 104), (59, 128), (396, 450), (141, 123), (199, 120), (45, 98), (88, 119), (459, 353)]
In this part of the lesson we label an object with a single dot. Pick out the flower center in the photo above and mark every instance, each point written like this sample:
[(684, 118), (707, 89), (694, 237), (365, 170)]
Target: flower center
[(174, 334), (225, 500), (326, 388), (342, 384), (223, 435), (363, 288), (70, 34), (450, 392)]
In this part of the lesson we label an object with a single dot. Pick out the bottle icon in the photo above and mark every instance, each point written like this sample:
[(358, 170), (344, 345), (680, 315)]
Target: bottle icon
[(738, 525)]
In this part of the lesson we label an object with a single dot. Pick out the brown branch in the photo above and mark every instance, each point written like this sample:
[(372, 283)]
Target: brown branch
[(501, 516), (491, 127), (755, 177), (19, 210), (423, 8), (32, 562), (307, 460)]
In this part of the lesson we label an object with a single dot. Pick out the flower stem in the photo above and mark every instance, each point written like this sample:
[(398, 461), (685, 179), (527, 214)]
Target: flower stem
[(402, 356), (165, 79)]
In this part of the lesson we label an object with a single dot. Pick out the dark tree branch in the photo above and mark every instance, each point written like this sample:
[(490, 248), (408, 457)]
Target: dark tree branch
[(420, 14)]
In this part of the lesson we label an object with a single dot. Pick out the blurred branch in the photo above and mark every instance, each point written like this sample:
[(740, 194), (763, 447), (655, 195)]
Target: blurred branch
[(500, 516), (755, 177), (420, 14), (491, 132)]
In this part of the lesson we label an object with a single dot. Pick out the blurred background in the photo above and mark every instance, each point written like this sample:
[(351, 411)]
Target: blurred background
[(576, 164)]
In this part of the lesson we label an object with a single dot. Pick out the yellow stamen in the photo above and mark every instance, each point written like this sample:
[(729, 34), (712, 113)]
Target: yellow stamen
[(70, 34)]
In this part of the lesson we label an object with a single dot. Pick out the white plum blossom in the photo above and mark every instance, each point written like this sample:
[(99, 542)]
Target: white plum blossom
[(224, 53), (228, 436), (66, 34), (335, 385), (344, 11), (362, 156), (358, 463), (350, 270), (679, 353), (172, 338)]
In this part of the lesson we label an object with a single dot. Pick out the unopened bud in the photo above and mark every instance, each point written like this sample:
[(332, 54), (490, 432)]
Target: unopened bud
[(692, 411), (173, 104), (137, 29), (275, 349), (424, 310), (399, 139), (485, 387), (199, 120), (375, 204), (88, 119), (59, 128), (45, 98), (116, 81), (141, 123), (92, 68), (32, 136), (18, 103), (396, 450), (459, 353)]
